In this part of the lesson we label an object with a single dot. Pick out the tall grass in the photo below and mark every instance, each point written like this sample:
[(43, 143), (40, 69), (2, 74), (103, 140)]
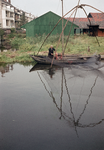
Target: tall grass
[(76, 45)]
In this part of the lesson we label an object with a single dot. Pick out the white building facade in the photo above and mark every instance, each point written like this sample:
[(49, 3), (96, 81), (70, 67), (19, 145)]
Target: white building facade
[(0, 14), (10, 15)]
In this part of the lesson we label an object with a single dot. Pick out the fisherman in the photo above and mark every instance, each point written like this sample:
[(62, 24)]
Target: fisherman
[(51, 52)]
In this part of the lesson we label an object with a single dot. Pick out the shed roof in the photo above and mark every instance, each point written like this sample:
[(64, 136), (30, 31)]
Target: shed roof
[(36, 19), (95, 18), (81, 22)]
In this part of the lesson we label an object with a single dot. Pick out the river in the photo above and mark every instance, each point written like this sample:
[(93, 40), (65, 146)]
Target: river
[(44, 108)]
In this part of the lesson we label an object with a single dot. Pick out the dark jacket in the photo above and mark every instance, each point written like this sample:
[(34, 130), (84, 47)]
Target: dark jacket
[(51, 51)]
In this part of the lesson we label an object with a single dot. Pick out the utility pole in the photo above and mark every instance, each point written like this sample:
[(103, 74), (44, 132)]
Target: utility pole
[(62, 29)]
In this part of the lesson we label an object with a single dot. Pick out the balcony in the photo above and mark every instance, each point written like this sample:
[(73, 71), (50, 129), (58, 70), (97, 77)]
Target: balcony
[(10, 9), (17, 17), (9, 15), (10, 24)]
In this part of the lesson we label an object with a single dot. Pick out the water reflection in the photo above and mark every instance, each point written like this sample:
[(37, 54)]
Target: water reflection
[(52, 108), (63, 79), (5, 69)]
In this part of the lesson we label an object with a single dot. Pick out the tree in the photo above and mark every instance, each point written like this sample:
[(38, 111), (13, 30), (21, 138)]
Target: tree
[(1, 32), (1, 35), (23, 19)]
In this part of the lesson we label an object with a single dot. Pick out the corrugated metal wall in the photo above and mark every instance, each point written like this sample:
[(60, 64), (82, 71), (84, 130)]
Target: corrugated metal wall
[(45, 23)]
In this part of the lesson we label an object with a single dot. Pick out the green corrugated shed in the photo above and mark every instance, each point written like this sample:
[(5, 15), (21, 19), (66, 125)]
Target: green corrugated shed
[(45, 23)]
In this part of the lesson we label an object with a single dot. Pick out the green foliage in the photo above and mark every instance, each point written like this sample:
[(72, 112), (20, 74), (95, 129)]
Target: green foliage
[(1, 32), (23, 19), (13, 30), (16, 42), (20, 35), (11, 35), (4, 58), (76, 44), (1, 35), (23, 58), (26, 47)]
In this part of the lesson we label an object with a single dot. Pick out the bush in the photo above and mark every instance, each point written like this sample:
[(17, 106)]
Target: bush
[(26, 47), (16, 42), (13, 30), (1, 32), (11, 35), (21, 35)]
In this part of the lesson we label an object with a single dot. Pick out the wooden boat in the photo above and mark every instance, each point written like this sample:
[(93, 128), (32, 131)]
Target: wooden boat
[(66, 60)]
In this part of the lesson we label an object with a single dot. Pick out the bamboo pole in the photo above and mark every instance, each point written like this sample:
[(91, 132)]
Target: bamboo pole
[(71, 27), (62, 28)]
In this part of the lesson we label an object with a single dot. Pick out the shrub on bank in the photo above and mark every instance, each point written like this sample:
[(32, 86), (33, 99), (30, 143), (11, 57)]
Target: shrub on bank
[(1, 35), (15, 43), (13, 30), (1, 32), (20, 35)]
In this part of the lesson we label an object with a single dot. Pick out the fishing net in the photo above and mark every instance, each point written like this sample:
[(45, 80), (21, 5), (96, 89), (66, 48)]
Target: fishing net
[(68, 86)]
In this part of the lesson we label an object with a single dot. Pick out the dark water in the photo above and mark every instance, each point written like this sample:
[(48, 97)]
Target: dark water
[(51, 109)]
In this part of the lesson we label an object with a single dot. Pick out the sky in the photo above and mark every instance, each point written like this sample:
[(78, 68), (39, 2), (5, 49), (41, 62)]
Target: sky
[(40, 7)]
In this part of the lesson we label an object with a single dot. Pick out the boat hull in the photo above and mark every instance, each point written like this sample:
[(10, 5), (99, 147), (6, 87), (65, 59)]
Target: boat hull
[(66, 60)]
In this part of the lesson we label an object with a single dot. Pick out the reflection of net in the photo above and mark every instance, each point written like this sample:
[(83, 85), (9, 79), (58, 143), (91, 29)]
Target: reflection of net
[(62, 84), (52, 79)]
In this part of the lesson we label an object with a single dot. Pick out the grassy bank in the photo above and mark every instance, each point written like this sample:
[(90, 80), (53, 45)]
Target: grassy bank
[(22, 47)]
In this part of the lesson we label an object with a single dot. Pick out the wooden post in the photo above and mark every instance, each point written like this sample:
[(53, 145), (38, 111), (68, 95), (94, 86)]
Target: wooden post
[(62, 28)]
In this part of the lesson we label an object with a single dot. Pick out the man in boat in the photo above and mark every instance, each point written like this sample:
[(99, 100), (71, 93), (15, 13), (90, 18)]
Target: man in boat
[(51, 52)]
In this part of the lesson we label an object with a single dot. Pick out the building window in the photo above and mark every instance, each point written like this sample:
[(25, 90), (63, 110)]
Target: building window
[(7, 13), (11, 15), (7, 22), (12, 23)]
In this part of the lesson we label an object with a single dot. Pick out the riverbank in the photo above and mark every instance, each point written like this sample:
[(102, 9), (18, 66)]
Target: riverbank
[(21, 48)]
